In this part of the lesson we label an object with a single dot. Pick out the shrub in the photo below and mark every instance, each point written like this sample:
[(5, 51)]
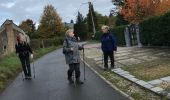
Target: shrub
[(119, 34), (155, 31)]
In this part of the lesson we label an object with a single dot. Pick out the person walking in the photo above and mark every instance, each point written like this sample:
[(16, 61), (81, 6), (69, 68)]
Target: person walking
[(71, 51), (108, 46), (23, 51)]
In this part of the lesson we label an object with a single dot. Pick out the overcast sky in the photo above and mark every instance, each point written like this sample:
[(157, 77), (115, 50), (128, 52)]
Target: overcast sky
[(19, 10)]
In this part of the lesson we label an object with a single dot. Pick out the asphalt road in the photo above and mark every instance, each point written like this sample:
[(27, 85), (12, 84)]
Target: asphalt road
[(51, 83)]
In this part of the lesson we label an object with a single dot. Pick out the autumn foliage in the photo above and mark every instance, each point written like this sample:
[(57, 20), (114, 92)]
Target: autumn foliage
[(135, 11)]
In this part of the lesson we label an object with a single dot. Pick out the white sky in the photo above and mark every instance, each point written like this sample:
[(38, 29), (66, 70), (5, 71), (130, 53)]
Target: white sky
[(19, 10)]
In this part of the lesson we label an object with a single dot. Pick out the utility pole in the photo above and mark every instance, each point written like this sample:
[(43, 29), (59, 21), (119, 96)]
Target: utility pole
[(94, 28), (91, 14)]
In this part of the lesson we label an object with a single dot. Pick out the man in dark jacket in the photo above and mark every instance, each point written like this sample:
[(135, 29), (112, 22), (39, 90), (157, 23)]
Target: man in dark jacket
[(108, 45), (23, 51), (71, 51)]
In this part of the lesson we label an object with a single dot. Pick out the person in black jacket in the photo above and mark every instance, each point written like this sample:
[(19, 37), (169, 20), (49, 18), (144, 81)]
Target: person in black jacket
[(23, 51), (108, 45)]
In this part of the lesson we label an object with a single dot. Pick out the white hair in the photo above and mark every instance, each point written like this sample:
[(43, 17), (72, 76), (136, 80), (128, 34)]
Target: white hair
[(24, 38), (69, 31), (105, 27)]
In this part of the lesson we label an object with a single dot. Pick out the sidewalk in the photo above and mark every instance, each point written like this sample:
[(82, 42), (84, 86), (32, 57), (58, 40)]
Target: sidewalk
[(146, 67)]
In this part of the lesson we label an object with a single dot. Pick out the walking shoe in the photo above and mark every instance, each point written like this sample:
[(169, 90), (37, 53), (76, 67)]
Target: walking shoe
[(105, 69), (71, 81), (29, 78), (112, 68), (79, 82)]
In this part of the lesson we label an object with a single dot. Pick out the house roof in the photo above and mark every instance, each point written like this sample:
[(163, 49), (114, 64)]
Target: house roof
[(7, 21)]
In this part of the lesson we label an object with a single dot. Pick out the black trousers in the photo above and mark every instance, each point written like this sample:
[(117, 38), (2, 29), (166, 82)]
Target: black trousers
[(25, 61), (74, 67), (111, 56)]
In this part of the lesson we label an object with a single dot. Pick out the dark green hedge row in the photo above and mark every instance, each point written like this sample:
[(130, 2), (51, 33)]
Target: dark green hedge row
[(155, 31), (118, 32), (39, 43)]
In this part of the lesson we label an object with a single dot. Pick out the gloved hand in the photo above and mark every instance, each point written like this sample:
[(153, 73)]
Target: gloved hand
[(32, 56)]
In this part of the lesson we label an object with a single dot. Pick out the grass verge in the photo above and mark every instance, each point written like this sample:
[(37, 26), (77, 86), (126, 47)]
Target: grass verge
[(10, 65), (150, 70), (131, 89)]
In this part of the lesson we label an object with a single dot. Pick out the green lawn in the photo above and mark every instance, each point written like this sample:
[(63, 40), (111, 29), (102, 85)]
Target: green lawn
[(10, 65), (151, 70)]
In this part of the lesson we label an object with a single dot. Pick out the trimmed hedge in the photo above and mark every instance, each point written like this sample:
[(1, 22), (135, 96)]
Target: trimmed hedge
[(39, 43), (118, 32), (155, 31)]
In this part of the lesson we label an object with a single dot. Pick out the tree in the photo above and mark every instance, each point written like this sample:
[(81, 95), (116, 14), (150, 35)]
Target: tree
[(50, 24), (135, 11), (120, 20), (80, 28), (28, 26), (101, 20), (160, 6), (89, 18)]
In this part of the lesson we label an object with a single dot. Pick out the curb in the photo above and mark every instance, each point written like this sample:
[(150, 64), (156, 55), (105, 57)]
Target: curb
[(109, 83), (135, 82)]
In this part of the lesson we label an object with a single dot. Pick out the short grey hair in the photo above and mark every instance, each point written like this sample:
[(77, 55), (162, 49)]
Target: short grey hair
[(69, 31), (105, 27)]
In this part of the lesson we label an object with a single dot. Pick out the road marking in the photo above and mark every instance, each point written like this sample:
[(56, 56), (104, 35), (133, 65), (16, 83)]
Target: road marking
[(109, 83)]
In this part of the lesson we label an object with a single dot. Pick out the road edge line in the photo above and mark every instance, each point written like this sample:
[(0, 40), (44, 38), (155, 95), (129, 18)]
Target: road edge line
[(109, 83)]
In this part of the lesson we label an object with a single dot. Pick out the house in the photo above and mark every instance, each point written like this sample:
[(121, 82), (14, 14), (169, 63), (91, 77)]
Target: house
[(8, 31), (69, 25)]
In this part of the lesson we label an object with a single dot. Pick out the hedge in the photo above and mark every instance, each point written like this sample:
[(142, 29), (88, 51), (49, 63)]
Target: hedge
[(39, 43), (155, 31), (119, 34)]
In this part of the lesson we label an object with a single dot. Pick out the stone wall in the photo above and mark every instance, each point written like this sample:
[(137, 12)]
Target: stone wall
[(11, 38), (3, 42), (8, 31)]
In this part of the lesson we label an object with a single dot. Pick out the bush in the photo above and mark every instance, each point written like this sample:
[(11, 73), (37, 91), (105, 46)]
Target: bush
[(98, 36), (155, 31), (35, 43), (39, 43), (119, 34)]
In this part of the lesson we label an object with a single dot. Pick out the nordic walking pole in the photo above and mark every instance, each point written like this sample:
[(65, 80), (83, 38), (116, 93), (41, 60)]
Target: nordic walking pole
[(103, 59), (22, 74), (84, 65), (74, 79), (33, 68)]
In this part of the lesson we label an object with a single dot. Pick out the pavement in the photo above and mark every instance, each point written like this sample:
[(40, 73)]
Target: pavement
[(51, 83)]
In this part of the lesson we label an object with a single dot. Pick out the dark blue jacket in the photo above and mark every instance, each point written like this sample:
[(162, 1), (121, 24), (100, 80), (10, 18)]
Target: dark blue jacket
[(108, 42)]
